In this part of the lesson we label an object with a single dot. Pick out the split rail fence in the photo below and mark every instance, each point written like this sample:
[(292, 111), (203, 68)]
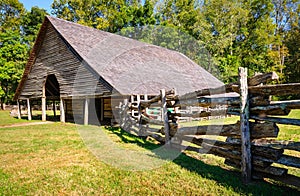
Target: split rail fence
[(250, 144)]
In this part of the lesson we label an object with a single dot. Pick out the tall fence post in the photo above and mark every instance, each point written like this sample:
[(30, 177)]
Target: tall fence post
[(245, 131), (165, 115)]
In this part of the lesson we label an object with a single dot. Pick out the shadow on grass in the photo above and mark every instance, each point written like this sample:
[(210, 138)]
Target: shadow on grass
[(226, 178), (39, 117)]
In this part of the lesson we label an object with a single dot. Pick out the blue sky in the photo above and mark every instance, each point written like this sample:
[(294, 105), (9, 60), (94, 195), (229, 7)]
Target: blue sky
[(46, 4)]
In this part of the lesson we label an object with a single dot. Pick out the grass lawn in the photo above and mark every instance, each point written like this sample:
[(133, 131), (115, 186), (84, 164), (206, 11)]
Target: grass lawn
[(52, 159)]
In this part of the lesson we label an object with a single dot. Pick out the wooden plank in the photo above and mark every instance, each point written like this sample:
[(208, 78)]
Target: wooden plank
[(205, 92), (279, 89), (258, 130), (207, 101), (266, 154), (291, 104), (290, 145), (286, 121), (262, 78), (146, 104), (287, 178), (289, 161), (270, 110), (272, 170), (244, 126), (258, 101), (145, 120), (165, 115)]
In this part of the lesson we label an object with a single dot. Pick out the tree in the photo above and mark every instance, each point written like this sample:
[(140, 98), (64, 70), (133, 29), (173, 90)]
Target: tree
[(13, 56), (31, 23), (17, 33), (11, 12), (292, 69), (282, 14), (106, 15)]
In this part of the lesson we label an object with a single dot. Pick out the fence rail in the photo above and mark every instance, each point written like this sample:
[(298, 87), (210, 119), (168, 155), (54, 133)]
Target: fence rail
[(248, 145)]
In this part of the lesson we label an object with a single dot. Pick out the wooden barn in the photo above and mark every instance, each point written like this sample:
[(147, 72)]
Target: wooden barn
[(81, 68)]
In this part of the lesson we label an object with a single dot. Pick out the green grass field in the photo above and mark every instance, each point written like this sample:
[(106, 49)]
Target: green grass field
[(52, 159)]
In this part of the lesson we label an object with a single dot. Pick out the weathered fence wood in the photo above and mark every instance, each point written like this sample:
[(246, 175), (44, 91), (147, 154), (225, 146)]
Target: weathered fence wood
[(270, 154), (145, 104), (206, 92), (290, 145), (165, 115), (286, 121), (208, 101), (279, 89), (258, 130), (289, 161), (270, 110), (151, 121), (239, 151), (264, 110), (262, 78), (245, 130), (292, 104), (258, 101)]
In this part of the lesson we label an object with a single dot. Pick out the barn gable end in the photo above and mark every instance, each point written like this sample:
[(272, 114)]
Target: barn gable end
[(56, 57)]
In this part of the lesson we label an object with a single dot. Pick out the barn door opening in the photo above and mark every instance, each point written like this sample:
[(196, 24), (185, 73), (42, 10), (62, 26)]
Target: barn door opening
[(95, 111), (52, 95), (52, 88)]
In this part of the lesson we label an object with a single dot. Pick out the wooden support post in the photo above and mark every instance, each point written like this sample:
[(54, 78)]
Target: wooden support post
[(86, 111), (132, 102), (44, 103), (138, 97), (54, 108), (165, 115), (102, 110), (245, 131), (43, 108), (62, 111), (19, 109), (29, 109), (146, 99)]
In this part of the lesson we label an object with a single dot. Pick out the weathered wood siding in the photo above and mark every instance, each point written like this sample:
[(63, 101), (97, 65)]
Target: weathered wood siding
[(107, 108), (55, 58)]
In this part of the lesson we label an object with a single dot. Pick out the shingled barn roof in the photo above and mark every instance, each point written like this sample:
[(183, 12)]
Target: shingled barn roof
[(126, 65)]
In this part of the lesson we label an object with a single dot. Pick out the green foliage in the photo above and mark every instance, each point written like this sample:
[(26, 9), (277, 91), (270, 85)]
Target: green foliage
[(31, 23), (18, 30), (11, 12), (106, 15), (13, 56)]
